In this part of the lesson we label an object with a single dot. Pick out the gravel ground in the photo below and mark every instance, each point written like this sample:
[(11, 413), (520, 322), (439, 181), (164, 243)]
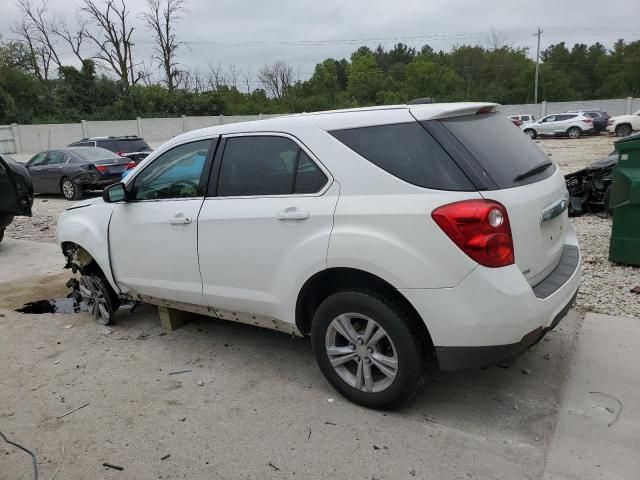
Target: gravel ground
[(605, 288)]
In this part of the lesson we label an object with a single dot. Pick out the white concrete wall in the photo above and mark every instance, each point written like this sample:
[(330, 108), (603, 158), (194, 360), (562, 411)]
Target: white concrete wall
[(30, 139)]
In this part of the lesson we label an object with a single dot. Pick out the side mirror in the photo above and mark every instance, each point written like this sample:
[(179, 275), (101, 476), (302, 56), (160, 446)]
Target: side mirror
[(114, 193)]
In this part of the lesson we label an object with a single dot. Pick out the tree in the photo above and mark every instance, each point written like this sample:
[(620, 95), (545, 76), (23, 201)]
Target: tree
[(37, 34), (113, 38), (365, 78), (73, 37), (161, 19), (277, 78)]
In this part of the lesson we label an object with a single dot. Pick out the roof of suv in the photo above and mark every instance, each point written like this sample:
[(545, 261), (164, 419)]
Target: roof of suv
[(121, 137), (343, 118)]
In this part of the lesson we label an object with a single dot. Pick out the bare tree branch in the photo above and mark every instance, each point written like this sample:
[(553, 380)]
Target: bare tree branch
[(217, 77), (113, 39), (161, 17), (73, 38), (277, 78)]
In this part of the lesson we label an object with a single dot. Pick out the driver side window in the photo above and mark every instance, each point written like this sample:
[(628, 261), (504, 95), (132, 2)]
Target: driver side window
[(174, 174), (550, 118)]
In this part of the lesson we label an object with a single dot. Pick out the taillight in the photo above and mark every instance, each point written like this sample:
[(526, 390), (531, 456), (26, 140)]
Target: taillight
[(101, 168), (587, 120), (480, 228), (131, 165)]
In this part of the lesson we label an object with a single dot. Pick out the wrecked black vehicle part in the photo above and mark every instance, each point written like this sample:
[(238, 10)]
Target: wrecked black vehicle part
[(16, 192), (589, 188), (92, 287)]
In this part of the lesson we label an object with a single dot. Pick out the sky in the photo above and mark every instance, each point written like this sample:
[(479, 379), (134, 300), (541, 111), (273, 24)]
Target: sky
[(250, 33)]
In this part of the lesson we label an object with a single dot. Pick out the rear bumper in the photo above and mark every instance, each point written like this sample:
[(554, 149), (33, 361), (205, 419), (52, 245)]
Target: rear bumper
[(459, 358), (494, 314)]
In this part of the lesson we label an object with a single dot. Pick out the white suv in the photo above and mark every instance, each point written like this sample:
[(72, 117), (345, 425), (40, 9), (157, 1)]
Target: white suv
[(391, 235), (572, 125)]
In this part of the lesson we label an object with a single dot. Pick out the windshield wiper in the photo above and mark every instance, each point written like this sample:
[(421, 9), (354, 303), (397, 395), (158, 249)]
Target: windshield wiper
[(529, 173)]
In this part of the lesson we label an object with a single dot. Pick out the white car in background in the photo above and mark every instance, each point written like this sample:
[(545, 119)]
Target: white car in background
[(572, 125), (393, 236), (624, 125), (524, 118)]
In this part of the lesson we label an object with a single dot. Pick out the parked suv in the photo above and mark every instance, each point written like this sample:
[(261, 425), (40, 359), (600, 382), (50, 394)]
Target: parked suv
[(132, 147), (624, 125), (572, 125), (600, 119), (393, 236)]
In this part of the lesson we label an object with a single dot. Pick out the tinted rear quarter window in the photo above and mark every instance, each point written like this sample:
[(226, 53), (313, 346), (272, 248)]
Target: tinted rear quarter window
[(133, 145), (503, 152), (408, 152)]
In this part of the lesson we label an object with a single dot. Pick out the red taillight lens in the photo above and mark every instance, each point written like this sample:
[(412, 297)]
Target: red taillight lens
[(131, 165), (480, 228), (587, 120), (101, 168)]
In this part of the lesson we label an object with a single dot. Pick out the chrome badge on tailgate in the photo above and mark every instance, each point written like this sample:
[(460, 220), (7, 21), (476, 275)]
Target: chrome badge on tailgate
[(556, 208)]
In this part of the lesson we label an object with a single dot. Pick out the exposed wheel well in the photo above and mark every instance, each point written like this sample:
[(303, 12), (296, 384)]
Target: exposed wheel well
[(322, 284), (79, 259)]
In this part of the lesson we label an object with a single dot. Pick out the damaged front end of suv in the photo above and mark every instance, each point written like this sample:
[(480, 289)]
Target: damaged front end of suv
[(589, 188)]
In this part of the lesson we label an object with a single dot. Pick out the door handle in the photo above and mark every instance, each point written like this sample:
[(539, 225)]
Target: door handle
[(292, 214), (180, 220)]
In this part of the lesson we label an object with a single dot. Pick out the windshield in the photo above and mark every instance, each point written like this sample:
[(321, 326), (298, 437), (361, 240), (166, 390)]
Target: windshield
[(96, 153)]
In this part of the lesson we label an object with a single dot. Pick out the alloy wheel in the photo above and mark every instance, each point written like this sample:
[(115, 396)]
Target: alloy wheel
[(361, 352), (96, 298), (68, 189)]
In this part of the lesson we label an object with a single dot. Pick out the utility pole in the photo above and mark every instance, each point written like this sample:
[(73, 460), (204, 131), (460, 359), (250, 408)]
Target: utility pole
[(535, 94)]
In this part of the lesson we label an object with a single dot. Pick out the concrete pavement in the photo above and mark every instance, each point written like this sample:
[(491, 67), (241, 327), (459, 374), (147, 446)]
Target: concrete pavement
[(598, 433)]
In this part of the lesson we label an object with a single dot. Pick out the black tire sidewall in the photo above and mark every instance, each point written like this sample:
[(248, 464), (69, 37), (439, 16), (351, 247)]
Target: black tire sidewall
[(411, 365), (623, 131)]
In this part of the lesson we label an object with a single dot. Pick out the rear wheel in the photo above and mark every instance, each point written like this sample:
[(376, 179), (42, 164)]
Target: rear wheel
[(368, 349), (623, 130), (574, 132), (532, 133), (70, 190)]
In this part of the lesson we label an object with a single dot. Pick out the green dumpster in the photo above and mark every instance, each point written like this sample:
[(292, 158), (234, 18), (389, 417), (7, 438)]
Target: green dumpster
[(625, 203)]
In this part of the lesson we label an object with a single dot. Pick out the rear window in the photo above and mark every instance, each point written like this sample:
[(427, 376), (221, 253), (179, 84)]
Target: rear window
[(133, 145), (97, 153), (409, 152), (501, 150)]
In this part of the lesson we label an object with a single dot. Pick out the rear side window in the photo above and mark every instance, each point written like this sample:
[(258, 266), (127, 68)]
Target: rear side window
[(560, 118), (108, 144), (133, 145), (409, 152), (267, 165), (504, 153)]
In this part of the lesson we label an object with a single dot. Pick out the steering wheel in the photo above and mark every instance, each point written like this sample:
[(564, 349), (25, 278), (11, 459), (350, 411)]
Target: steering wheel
[(182, 185)]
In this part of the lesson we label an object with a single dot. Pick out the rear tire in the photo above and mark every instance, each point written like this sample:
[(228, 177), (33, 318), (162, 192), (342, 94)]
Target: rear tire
[(623, 130), (574, 132), (70, 189), (368, 349), (532, 133)]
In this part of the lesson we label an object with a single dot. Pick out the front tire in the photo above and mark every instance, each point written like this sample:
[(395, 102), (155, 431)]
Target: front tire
[(101, 301), (574, 132), (532, 133), (623, 130), (368, 349), (70, 190)]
